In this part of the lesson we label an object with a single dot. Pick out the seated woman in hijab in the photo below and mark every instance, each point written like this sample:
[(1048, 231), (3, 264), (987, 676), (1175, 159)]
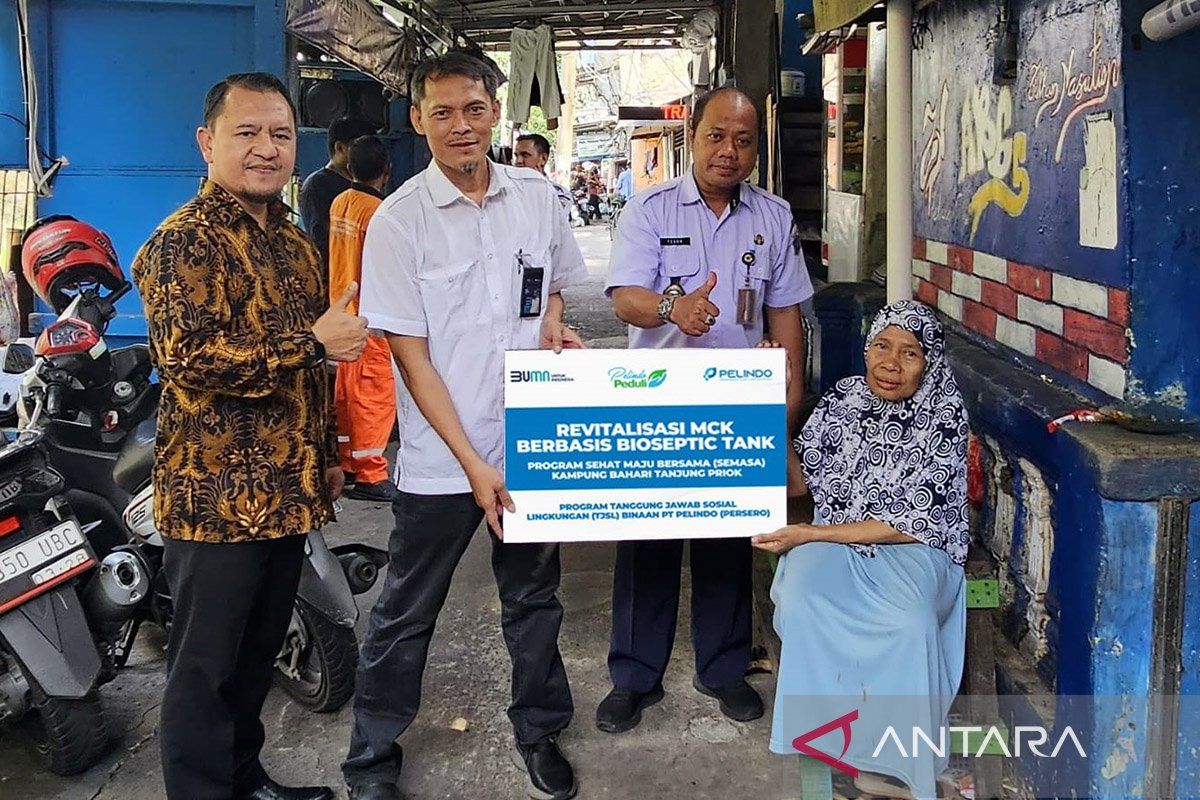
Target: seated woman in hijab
[(870, 600)]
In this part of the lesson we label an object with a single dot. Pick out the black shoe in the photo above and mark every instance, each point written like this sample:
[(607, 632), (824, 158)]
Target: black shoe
[(375, 791), (550, 774), (273, 791), (622, 710), (380, 491), (738, 700)]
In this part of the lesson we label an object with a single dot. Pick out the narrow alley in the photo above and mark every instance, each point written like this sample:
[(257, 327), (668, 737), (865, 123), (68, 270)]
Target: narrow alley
[(684, 747)]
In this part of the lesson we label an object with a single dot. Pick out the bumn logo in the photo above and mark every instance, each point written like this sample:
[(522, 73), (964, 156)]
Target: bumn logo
[(529, 376)]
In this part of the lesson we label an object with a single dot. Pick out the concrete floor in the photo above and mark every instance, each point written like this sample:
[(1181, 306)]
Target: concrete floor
[(684, 747)]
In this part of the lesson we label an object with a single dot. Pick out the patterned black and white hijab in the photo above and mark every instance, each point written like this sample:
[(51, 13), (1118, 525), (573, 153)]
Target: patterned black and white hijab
[(902, 463)]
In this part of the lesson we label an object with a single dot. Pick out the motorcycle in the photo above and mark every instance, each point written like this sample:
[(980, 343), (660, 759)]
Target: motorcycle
[(101, 406), (50, 668)]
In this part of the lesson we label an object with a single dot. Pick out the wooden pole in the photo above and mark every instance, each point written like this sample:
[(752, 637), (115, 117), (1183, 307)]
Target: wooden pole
[(565, 142)]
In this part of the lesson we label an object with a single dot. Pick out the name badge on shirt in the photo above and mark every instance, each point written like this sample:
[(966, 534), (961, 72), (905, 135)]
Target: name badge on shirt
[(675, 241)]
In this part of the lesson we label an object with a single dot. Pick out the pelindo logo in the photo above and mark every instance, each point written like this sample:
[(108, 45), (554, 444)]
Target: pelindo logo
[(737, 374), (623, 378)]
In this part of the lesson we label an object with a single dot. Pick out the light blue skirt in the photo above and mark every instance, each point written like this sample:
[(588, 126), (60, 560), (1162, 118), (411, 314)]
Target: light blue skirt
[(877, 643)]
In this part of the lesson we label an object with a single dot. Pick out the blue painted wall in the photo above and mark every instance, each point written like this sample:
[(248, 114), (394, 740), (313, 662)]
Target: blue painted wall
[(974, 186), (791, 39), (12, 99), (1188, 775), (123, 87), (1162, 114)]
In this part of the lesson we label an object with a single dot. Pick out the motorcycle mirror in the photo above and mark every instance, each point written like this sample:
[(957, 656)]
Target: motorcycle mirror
[(17, 358)]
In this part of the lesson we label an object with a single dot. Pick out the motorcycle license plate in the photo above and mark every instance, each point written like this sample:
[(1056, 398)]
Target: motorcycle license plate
[(36, 563)]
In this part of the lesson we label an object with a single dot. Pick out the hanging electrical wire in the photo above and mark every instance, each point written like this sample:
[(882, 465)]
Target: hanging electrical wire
[(42, 175)]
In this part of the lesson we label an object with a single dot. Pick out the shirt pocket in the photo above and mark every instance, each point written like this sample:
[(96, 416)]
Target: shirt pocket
[(684, 267), (454, 297), (758, 275)]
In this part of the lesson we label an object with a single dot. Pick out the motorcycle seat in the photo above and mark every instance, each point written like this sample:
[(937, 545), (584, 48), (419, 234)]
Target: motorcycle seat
[(136, 458)]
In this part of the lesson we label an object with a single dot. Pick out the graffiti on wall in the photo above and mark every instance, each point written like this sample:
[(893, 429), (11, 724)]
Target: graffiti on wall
[(1068, 89), (933, 153), (990, 144), (1028, 171)]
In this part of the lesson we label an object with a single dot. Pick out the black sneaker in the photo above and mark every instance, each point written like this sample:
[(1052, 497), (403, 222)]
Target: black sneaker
[(379, 492), (550, 776), (622, 710), (737, 700)]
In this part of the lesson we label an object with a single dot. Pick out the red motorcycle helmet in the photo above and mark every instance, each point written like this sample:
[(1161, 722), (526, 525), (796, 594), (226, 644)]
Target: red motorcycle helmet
[(59, 253)]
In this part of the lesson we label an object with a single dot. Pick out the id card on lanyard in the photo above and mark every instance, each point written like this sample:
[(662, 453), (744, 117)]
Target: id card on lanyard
[(530, 303)]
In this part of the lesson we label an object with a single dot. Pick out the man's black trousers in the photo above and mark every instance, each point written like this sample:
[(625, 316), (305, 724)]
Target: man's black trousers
[(646, 581), (431, 534), (232, 607)]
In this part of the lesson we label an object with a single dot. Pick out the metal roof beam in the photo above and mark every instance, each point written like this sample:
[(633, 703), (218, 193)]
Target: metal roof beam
[(588, 29), (590, 8), (494, 36)]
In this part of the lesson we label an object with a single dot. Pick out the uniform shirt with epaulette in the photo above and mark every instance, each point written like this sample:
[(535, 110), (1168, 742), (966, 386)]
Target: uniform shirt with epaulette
[(438, 266), (668, 233)]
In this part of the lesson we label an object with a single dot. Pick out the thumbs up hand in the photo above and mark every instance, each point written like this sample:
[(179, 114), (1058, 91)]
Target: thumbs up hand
[(694, 313), (342, 334)]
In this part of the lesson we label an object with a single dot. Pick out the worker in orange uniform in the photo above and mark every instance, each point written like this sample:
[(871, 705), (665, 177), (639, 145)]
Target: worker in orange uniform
[(365, 392)]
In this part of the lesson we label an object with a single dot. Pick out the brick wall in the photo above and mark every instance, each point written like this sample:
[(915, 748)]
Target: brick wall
[(1077, 327)]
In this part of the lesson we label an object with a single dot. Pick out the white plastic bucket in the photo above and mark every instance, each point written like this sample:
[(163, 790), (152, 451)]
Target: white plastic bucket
[(792, 83)]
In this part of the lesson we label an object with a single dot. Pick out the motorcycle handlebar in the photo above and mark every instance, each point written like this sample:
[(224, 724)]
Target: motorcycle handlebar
[(54, 396), (119, 292)]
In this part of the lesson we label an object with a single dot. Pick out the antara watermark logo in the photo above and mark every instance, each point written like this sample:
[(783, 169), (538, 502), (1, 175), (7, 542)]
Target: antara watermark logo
[(623, 378), (712, 373), (969, 740)]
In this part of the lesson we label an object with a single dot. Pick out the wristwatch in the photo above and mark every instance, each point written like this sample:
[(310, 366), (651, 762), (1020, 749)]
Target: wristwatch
[(665, 305)]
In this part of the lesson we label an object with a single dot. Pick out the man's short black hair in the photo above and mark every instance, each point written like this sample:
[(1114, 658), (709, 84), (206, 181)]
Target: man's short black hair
[(540, 143), (703, 100), (451, 64), (367, 158), (214, 101), (346, 129)]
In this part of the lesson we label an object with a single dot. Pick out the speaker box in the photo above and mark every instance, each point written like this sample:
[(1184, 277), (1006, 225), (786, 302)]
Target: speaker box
[(323, 100)]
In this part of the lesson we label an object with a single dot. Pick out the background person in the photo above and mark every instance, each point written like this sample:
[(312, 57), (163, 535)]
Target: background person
[(365, 390), (321, 187), (625, 181), (533, 151)]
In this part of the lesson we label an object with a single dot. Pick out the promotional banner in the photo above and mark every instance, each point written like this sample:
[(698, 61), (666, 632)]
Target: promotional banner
[(644, 444)]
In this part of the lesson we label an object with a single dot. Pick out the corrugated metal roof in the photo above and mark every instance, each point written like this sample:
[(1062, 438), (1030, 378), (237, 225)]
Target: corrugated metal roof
[(577, 23)]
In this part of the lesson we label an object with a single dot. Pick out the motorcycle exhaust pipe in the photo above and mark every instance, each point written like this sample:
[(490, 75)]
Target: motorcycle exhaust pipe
[(361, 572), (112, 596)]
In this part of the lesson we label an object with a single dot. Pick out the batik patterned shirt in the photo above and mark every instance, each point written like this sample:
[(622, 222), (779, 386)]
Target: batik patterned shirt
[(245, 428)]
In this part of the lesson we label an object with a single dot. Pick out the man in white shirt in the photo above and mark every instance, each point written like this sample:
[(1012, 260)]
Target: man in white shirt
[(464, 261)]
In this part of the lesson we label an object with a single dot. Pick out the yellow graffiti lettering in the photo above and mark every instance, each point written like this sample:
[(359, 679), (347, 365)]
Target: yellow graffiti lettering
[(1000, 154), (1011, 199)]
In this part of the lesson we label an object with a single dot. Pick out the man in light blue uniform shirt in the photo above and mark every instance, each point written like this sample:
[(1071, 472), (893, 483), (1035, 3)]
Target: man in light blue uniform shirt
[(625, 182), (700, 261)]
